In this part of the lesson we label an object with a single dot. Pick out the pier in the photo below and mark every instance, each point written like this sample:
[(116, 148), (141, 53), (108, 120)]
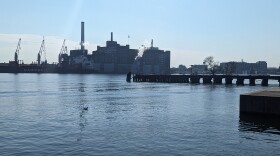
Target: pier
[(265, 102), (206, 79)]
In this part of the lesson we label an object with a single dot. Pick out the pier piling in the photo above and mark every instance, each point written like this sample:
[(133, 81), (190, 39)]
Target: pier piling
[(218, 80), (265, 82), (252, 82), (240, 82), (195, 79), (207, 80), (229, 80)]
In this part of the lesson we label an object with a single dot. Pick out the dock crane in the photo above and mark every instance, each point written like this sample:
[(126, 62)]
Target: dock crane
[(17, 51), (62, 51), (41, 51)]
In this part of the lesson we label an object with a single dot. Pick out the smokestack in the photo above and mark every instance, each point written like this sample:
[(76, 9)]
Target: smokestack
[(82, 36), (111, 36)]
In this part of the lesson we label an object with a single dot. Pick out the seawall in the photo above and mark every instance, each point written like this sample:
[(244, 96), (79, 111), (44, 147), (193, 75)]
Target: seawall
[(266, 102)]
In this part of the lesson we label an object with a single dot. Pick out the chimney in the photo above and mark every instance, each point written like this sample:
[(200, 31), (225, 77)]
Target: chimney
[(111, 36), (82, 36)]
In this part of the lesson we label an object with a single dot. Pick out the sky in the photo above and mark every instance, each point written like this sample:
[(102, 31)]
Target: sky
[(228, 30)]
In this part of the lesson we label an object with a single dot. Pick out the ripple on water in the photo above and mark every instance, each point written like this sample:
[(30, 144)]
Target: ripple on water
[(44, 115)]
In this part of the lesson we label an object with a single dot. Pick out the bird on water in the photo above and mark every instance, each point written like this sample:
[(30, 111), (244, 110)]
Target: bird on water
[(85, 108)]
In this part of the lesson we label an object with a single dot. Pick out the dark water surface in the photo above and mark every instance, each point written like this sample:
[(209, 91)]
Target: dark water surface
[(43, 114)]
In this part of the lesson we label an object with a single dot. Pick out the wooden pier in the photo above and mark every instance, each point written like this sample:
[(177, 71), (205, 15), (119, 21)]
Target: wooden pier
[(206, 79)]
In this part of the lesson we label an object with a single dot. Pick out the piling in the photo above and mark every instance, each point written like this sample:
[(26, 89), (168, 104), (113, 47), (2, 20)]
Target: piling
[(229, 80), (195, 79), (252, 82), (218, 80), (207, 80), (240, 82), (128, 77), (265, 82)]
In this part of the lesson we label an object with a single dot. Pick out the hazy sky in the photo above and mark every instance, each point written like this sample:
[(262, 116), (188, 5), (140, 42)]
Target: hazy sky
[(229, 30)]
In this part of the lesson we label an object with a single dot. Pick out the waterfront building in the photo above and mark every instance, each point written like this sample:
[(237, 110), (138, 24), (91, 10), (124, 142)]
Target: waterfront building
[(229, 68), (78, 57), (153, 61), (199, 69), (182, 69), (113, 58), (273, 71)]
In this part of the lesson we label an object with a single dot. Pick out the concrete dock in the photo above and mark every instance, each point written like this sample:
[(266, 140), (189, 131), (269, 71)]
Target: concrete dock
[(266, 102)]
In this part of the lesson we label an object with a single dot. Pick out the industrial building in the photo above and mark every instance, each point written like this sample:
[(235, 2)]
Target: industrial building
[(113, 58), (78, 58), (153, 61)]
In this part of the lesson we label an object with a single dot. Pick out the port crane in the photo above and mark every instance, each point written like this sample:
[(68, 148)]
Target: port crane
[(17, 51), (42, 51), (62, 51)]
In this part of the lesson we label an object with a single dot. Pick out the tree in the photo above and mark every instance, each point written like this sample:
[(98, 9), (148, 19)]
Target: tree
[(212, 66)]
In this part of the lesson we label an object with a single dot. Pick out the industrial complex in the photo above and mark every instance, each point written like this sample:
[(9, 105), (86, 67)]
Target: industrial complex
[(112, 58)]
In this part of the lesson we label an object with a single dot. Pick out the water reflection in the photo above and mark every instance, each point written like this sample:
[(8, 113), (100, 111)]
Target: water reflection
[(82, 108), (262, 124), (81, 87), (82, 123)]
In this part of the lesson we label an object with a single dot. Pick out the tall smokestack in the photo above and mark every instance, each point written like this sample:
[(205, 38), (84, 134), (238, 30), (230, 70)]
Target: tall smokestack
[(111, 36), (82, 36)]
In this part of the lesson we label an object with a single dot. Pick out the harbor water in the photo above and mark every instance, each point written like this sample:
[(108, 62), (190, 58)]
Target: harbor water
[(44, 114)]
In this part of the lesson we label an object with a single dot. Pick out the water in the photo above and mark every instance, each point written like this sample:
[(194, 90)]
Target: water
[(43, 114)]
